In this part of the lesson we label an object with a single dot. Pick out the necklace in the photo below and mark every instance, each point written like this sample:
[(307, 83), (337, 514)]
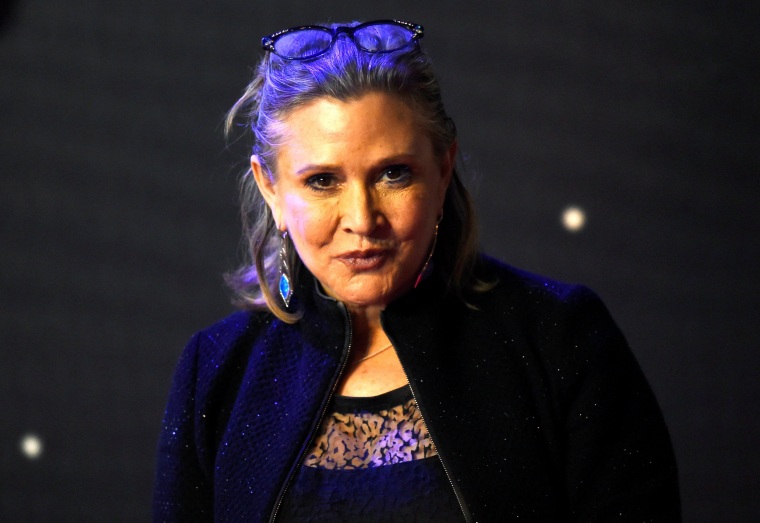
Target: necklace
[(365, 358)]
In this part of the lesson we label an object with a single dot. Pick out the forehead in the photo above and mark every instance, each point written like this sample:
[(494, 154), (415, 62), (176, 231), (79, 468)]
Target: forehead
[(375, 124)]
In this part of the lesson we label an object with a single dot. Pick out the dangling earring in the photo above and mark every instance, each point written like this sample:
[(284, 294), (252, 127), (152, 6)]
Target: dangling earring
[(285, 285), (430, 256)]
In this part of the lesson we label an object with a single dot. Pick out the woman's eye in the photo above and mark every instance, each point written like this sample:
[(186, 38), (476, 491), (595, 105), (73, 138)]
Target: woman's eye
[(320, 181), (397, 174)]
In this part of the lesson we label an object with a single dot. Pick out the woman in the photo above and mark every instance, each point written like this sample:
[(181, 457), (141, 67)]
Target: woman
[(381, 369)]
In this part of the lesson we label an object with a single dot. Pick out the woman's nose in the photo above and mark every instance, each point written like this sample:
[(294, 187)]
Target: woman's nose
[(359, 213)]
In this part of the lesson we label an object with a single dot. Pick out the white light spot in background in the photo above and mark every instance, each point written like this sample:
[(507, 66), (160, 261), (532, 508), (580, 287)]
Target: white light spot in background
[(573, 219), (31, 446)]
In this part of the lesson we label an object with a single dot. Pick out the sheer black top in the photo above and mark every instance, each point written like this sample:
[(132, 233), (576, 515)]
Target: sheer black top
[(372, 460)]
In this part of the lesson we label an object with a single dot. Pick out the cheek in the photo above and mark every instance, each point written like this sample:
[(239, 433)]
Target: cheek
[(415, 218), (307, 221)]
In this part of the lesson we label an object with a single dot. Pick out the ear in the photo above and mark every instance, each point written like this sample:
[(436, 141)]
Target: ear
[(447, 170), (268, 190)]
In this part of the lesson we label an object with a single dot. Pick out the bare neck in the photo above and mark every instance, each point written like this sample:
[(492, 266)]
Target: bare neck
[(373, 368), (367, 333)]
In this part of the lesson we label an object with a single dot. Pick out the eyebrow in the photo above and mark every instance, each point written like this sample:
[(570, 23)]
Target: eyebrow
[(406, 157), (316, 167)]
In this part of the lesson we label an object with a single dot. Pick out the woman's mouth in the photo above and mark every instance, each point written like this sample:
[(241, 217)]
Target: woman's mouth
[(364, 260)]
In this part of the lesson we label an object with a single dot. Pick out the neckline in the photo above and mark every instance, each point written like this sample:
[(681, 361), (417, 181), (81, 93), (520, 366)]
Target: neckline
[(392, 398)]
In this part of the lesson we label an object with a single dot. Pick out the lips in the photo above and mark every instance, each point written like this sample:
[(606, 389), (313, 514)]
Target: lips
[(364, 260)]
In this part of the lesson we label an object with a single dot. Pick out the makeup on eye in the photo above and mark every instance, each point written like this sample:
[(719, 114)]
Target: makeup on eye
[(396, 174), (321, 181)]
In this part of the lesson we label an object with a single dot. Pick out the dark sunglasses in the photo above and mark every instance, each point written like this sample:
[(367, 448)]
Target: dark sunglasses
[(310, 41)]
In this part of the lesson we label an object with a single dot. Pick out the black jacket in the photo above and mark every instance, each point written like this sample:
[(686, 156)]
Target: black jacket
[(536, 405)]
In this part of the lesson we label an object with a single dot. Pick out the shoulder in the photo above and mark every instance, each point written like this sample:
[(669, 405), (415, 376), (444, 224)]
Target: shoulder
[(558, 320), (226, 331), (512, 284), (223, 344)]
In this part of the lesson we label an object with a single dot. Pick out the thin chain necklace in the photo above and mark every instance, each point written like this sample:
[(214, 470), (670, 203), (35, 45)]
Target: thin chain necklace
[(365, 358)]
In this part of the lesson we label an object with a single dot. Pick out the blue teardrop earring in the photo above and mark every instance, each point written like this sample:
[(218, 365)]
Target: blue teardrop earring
[(285, 284)]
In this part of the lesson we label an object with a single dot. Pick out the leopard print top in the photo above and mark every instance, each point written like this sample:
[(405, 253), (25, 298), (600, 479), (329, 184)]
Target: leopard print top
[(372, 461), (386, 430)]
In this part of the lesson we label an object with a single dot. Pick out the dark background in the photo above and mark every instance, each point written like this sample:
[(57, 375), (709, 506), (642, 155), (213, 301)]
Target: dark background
[(118, 210)]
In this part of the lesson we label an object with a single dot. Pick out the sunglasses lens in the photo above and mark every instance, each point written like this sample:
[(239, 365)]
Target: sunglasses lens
[(378, 38), (303, 43)]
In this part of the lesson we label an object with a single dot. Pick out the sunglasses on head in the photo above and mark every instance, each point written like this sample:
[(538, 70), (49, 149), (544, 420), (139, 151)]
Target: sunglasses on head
[(310, 41)]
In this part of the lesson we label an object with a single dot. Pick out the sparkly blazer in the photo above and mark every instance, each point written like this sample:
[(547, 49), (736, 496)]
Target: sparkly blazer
[(536, 405)]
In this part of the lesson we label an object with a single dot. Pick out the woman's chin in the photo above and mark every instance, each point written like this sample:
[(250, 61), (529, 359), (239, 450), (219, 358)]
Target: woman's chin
[(369, 298)]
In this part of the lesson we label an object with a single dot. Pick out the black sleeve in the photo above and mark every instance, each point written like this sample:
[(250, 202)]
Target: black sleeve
[(619, 458), (182, 490)]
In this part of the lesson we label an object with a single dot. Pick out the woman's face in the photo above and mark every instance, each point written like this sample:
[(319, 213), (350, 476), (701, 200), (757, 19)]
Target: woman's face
[(359, 189)]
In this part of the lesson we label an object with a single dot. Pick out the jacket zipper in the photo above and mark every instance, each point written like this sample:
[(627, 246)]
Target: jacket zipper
[(349, 330), (457, 494)]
